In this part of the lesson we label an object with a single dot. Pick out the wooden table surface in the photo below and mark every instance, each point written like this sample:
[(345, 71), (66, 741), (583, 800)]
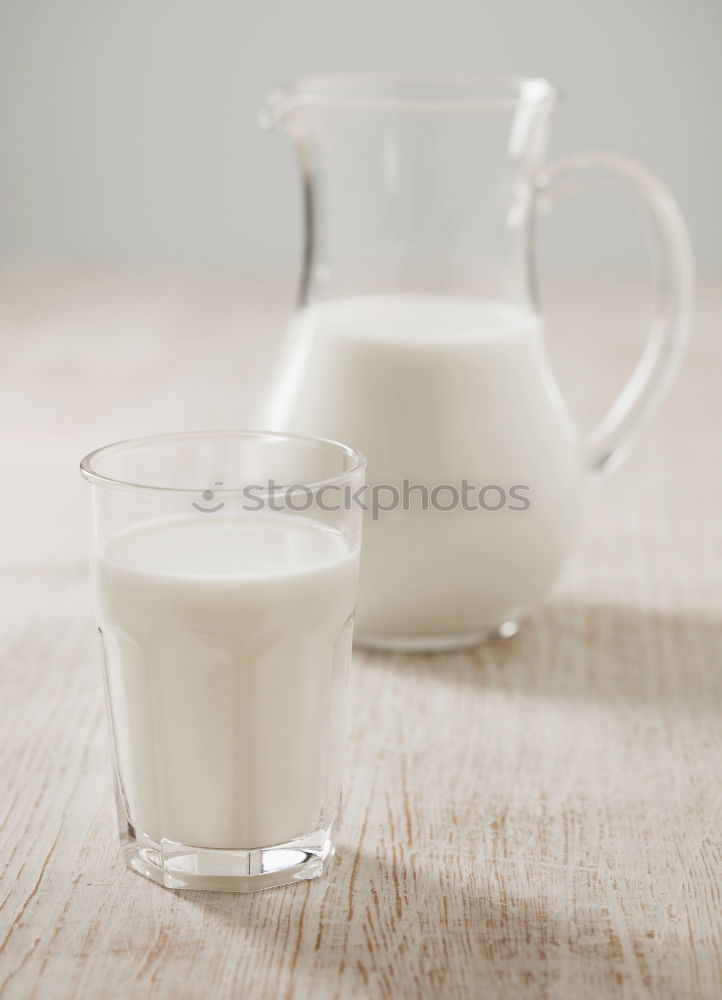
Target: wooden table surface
[(540, 817)]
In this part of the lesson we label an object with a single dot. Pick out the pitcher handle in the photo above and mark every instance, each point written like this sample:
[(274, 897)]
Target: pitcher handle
[(672, 272)]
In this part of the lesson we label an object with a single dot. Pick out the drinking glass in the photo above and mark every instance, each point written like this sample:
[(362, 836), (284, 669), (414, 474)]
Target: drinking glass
[(225, 569)]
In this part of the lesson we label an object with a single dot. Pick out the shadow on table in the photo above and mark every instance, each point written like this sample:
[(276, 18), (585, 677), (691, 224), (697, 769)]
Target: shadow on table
[(375, 926), (604, 651)]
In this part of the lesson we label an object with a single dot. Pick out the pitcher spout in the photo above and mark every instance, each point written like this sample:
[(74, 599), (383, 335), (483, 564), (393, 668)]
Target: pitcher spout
[(276, 107)]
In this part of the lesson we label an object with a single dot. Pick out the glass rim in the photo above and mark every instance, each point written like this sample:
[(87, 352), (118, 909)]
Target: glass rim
[(356, 459), (346, 90)]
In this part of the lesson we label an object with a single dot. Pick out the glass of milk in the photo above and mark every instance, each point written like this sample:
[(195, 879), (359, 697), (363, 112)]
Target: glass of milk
[(225, 571)]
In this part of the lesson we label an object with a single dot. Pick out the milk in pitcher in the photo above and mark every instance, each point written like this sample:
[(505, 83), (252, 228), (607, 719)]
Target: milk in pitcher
[(434, 389)]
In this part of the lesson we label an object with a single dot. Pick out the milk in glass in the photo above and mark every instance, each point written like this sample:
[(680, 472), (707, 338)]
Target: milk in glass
[(227, 640)]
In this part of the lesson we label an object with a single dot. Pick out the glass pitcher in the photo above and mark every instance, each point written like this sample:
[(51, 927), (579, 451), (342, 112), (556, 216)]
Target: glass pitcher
[(417, 339)]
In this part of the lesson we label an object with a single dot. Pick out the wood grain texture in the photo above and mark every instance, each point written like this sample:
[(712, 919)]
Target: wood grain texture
[(538, 817)]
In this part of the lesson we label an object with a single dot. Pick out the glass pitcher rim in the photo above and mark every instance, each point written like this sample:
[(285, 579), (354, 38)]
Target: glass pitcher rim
[(424, 92)]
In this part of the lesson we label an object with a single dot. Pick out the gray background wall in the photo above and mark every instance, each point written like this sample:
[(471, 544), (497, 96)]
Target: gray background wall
[(128, 128)]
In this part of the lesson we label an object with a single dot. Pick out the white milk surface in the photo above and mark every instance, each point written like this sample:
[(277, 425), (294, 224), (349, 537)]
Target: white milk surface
[(227, 639), (436, 389)]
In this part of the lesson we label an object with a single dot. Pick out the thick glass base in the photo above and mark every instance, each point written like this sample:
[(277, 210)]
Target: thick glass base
[(178, 866), (433, 643)]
